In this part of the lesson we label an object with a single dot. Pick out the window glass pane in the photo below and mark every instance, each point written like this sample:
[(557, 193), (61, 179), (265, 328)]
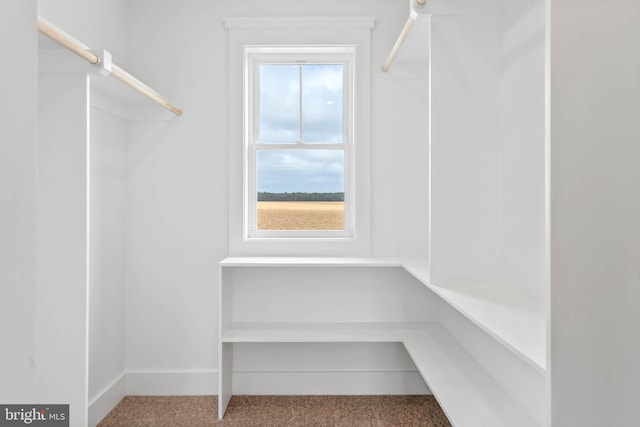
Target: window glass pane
[(300, 189), (322, 103), (279, 103)]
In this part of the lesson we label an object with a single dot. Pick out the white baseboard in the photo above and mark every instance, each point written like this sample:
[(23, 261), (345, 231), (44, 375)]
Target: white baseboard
[(329, 383), (192, 383), (105, 401)]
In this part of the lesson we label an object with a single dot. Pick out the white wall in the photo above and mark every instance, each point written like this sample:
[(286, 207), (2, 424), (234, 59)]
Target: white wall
[(107, 250), (63, 242), (177, 221), (177, 189), (465, 244), (18, 162), (97, 23), (328, 295), (522, 147), (400, 151), (487, 147), (595, 212), (400, 205)]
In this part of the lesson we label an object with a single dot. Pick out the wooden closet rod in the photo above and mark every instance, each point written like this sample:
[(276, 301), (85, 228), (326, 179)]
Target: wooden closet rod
[(403, 35), (59, 36)]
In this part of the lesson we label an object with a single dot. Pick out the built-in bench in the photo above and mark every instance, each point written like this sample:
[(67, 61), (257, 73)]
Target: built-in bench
[(467, 392)]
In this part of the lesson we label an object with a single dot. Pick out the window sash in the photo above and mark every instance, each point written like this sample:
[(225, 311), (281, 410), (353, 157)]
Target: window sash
[(329, 55), (252, 202), (347, 72), (257, 137)]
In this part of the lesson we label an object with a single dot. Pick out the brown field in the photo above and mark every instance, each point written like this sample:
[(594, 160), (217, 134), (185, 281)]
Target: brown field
[(300, 215)]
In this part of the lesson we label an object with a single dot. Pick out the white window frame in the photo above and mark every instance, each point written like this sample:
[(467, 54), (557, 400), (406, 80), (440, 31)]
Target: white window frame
[(254, 56)]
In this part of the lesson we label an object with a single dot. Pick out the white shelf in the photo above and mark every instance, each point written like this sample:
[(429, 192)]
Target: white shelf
[(469, 396), (309, 262), (513, 320), (516, 322), (318, 332), (467, 393)]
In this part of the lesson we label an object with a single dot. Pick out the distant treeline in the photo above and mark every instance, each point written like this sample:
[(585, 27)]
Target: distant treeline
[(264, 196)]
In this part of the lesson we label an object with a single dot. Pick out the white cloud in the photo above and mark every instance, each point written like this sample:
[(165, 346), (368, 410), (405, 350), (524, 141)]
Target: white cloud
[(321, 103), (291, 171)]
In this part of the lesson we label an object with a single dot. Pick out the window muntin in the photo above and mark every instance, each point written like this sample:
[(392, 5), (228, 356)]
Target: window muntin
[(299, 143)]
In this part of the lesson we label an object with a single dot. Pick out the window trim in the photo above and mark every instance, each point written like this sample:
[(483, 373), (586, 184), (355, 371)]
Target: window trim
[(296, 54)]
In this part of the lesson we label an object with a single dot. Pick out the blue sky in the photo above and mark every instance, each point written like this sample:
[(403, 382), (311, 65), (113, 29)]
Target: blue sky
[(280, 98)]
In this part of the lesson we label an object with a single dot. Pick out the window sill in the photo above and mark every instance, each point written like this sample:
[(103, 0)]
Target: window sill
[(302, 237)]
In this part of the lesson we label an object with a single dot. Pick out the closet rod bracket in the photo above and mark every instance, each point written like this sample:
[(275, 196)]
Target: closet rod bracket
[(106, 63)]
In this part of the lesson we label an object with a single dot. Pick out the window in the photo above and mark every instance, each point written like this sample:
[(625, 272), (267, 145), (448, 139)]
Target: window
[(298, 142)]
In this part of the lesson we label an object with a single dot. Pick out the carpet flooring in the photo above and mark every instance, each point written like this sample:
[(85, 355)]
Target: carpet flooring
[(278, 411)]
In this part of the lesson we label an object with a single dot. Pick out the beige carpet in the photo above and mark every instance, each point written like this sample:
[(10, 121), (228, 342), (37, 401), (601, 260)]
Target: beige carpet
[(278, 411)]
